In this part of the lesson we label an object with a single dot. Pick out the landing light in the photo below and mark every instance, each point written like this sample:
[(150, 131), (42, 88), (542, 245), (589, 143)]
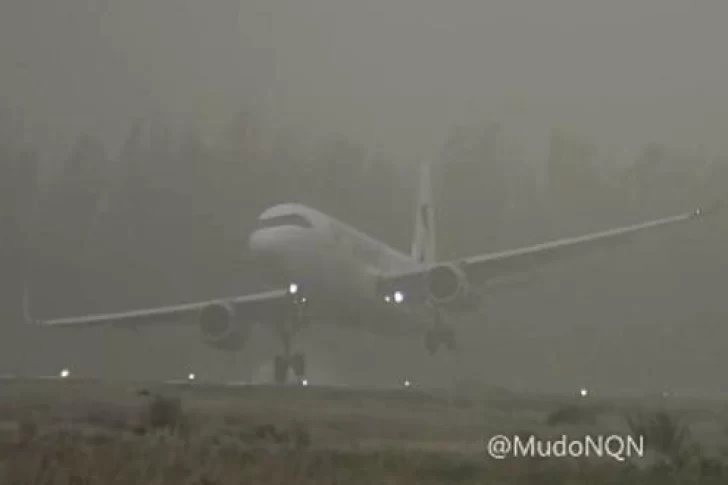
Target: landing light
[(387, 298), (65, 373), (584, 392), (191, 376), (398, 297), (293, 288), (407, 383), (304, 382)]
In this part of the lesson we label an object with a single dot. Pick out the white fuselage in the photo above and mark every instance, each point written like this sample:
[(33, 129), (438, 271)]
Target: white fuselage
[(335, 266)]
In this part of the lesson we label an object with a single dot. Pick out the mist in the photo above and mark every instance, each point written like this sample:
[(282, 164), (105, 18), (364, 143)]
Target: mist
[(395, 78), (397, 74)]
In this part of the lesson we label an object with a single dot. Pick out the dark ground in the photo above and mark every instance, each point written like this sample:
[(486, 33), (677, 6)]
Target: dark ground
[(61, 430)]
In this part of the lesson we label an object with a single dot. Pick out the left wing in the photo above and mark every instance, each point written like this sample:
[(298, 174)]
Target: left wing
[(481, 269), (257, 307)]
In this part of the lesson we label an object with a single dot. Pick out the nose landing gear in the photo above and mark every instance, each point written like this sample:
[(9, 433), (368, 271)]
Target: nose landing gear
[(283, 363), (289, 360)]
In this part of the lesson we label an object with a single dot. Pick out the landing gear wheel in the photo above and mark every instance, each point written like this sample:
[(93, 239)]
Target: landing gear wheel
[(286, 329), (432, 342), (280, 370), (298, 364), (435, 338), (450, 341)]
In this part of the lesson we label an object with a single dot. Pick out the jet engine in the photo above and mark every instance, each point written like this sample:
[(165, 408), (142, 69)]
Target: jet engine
[(448, 287), (221, 329)]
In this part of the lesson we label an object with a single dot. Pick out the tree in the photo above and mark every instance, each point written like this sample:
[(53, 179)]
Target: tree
[(472, 177), (572, 175), (334, 175), (19, 176), (66, 217), (646, 170), (575, 185), (384, 202)]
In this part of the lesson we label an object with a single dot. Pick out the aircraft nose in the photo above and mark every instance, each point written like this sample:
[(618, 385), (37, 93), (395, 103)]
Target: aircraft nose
[(261, 243), (268, 252)]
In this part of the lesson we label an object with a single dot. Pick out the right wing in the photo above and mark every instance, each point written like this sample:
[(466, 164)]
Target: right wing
[(256, 307), (486, 268)]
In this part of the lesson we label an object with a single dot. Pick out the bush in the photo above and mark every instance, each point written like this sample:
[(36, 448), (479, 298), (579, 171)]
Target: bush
[(165, 414), (571, 414), (665, 433)]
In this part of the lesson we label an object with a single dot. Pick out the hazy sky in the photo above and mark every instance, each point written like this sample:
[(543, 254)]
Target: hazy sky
[(392, 72), (399, 74)]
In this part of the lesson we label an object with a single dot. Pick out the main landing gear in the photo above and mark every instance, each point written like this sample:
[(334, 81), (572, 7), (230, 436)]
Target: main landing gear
[(440, 334), (436, 338), (289, 360), (295, 362)]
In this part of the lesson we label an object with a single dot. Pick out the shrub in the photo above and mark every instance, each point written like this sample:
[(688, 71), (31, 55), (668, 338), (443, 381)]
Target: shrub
[(571, 414)]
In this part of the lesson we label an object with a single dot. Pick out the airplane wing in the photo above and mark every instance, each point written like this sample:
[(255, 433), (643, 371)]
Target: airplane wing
[(257, 307), (486, 268)]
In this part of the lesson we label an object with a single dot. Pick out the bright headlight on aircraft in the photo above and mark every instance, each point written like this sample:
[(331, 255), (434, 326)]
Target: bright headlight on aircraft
[(387, 298), (293, 288), (398, 297), (65, 373), (584, 392), (304, 382), (407, 383), (191, 376)]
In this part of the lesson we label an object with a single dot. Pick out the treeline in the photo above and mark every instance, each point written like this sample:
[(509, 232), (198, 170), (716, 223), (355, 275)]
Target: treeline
[(166, 219), (19, 169)]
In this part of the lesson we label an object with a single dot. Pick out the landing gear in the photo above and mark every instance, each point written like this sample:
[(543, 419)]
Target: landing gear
[(451, 341), (440, 334), (437, 337), (432, 343), (298, 365), (296, 362), (282, 364)]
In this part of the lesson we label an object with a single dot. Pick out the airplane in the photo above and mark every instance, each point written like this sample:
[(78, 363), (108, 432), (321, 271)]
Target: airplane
[(324, 271)]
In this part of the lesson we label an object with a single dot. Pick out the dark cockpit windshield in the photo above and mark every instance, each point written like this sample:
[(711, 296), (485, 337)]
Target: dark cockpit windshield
[(285, 220)]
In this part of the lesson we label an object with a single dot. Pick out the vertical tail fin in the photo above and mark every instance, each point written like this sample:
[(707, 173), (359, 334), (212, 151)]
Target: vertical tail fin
[(423, 243)]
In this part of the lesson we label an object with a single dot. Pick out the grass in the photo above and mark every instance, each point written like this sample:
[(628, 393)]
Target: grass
[(172, 437), (69, 458)]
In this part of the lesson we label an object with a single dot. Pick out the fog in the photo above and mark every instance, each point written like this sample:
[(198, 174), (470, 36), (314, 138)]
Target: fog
[(395, 77), (396, 73)]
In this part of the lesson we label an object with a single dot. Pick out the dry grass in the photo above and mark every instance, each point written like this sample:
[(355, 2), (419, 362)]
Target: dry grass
[(72, 458), (196, 438)]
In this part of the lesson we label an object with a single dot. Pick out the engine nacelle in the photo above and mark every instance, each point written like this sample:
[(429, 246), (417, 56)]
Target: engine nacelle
[(220, 329), (448, 287)]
